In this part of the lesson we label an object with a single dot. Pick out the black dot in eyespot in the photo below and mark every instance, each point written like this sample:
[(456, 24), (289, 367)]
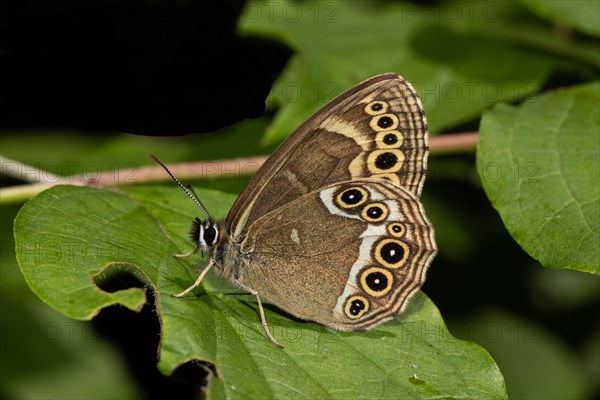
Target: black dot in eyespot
[(392, 252), (352, 196), (385, 122), (377, 281), (374, 212), (377, 107), (390, 139), (386, 160), (397, 228), (357, 306)]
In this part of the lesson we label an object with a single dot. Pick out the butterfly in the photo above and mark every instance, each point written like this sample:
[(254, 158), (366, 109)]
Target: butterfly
[(331, 229)]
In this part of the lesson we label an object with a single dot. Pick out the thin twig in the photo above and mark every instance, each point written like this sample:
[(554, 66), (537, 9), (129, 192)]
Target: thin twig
[(26, 172), (43, 180), (453, 143)]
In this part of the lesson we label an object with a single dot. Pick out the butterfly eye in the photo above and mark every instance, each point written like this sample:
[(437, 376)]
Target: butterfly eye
[(356, 306), (210, 235), (391, 253), (376, 281)]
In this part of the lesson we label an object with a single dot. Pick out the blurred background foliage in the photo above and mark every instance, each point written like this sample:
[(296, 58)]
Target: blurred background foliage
[(71, 99)]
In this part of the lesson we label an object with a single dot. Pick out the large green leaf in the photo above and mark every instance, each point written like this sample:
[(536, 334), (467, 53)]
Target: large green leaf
[(581, 14), (339, 43), (46, 355), (539, 163), (69, 238)]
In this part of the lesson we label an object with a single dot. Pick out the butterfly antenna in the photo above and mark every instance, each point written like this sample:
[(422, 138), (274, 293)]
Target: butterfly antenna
[(191, 193)]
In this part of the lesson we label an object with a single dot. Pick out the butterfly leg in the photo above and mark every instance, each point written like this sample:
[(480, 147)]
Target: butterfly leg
[(263, 320), (200, 277)]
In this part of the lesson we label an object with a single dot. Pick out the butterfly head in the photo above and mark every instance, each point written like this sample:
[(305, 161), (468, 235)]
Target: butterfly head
[(204, 234)]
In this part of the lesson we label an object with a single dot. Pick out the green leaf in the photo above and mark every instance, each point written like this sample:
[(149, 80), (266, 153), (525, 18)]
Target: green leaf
[(46, 355), (539, 166), (581, 14), (457, 73), (68, 237), (139, 229), (537, 364)]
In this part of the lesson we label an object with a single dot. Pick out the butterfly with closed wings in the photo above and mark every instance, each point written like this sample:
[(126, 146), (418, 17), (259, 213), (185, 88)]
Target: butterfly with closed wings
[(331, 229)]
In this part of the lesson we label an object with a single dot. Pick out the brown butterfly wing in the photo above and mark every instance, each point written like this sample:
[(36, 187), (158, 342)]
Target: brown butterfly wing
[(375, 129), (338, 263)]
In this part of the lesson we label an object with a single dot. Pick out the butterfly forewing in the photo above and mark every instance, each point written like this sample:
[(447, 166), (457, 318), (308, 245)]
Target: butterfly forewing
[(376, 129)]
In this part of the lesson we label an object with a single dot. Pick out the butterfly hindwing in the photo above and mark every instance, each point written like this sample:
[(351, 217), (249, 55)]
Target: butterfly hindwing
[(348, 255)]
